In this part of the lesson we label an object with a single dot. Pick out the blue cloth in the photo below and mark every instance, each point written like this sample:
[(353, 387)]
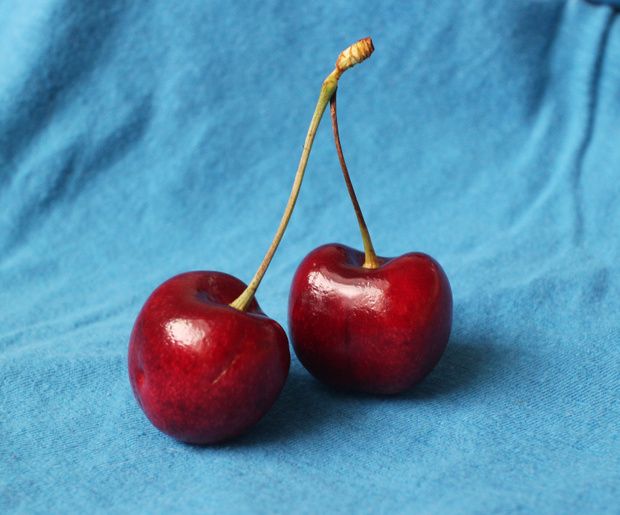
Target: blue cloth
[(143, 139)]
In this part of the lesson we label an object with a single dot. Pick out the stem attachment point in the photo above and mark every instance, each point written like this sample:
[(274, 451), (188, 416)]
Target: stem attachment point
[(355, 54)]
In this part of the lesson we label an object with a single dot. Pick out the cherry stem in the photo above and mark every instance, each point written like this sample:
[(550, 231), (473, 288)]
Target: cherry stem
[(353, 55), (370, 259)]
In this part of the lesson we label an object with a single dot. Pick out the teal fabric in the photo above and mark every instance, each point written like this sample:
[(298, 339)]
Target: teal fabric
[(143, 139)]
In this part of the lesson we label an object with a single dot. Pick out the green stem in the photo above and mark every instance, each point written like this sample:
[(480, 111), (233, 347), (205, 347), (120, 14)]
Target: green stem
[(353, 55), (370, 259), (329, 86)]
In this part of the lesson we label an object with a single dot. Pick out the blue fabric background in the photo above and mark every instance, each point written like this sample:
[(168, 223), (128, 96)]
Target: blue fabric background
[(143, 139)]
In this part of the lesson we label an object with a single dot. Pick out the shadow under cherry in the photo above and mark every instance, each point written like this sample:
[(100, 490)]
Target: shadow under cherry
[(470, 364)]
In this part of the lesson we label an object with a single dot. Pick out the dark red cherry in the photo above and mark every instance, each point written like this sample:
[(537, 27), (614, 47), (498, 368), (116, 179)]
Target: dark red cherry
[(201, 370), (378, 330)]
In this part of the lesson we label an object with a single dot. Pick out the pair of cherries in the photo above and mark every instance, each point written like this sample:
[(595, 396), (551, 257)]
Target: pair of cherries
[(205, 363)]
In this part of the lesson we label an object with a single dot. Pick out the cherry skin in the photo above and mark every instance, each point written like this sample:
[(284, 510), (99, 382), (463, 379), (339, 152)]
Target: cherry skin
[(201, 370), (379, 330)]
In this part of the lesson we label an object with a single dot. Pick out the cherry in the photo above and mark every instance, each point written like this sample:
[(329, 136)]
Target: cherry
[(367, 323), (375, 330), (201, 370), (205, 363)]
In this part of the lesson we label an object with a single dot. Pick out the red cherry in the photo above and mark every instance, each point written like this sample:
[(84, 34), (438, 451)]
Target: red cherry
[(201, 370), (363, 322), (378, 330)]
